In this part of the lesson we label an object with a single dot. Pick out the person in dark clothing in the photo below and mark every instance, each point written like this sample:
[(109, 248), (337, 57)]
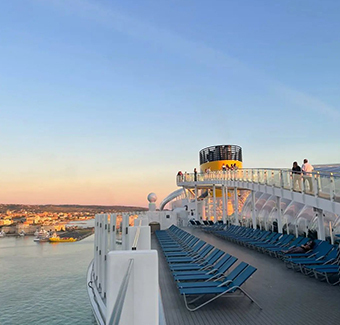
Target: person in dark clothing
[(195, 174), (301, 249), (296, 172)]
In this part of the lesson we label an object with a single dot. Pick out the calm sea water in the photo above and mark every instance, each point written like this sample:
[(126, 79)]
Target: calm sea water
[(44, 283)]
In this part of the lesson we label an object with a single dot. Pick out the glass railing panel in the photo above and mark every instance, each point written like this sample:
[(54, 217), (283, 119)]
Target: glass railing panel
[(246, 175), (337, 189), (262, 176), (270, 177), (276, 175), (308, 184), (286, 179), (239, 174), (119, 228), (200, 177), (324, 185)]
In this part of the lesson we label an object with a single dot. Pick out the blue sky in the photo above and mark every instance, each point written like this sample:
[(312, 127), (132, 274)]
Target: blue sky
[(102, 102)]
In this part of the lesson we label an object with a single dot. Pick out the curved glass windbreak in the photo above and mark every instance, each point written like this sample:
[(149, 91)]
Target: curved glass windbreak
[(264, 213), (272, 218)]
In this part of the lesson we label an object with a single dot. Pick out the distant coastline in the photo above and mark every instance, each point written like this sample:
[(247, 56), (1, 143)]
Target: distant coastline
[(17, 218)]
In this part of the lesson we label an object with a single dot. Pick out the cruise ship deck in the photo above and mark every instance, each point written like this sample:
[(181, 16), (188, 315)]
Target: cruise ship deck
[(287, 297)]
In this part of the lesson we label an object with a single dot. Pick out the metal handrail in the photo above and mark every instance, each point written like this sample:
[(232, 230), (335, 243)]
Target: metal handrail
[(135, 240), (118, 307), (261, 176)]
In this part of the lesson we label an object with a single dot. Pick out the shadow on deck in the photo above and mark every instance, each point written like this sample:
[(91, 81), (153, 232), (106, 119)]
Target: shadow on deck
[(287, 297)]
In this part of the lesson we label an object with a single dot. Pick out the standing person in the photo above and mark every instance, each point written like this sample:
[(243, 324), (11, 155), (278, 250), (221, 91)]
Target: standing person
[(296, 171), (224, 169), (195, 174), (307, 168)]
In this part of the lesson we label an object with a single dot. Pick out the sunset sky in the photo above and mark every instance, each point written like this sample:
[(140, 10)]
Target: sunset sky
[(103, 101)]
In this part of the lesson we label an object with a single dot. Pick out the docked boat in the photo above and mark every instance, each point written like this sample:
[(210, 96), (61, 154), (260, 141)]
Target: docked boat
[(22, 233), (123, 283), (62, 240), (41, 236)]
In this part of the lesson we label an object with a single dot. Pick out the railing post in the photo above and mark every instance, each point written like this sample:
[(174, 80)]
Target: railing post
[(196, 202), (214, 201), (104, 246), (96, 248), (236, 206), (279, 214), (316, 183), (223, 205), (332, 188), (321, 223), (113, 225), (125, 231), (253, 210), (281, 178)]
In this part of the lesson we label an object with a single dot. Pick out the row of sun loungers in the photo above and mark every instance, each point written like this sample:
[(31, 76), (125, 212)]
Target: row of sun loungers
[(201, 270), (321, 262)]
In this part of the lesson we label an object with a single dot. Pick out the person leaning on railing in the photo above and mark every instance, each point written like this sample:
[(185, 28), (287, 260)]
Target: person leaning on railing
[(307, 168), (296, 171)]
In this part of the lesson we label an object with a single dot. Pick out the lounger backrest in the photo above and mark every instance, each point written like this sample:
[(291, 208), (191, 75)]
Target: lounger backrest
[(333, 254), (215, 256), (206, 250), (244, 276), (270, 237), (323, 249), (212, 255), (223, 260), (236, 271), (276, 238), (226, 266), (303, 241), (198, 246), (286, 239)]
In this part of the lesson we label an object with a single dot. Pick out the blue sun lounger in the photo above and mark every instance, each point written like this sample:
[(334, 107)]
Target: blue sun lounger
[(219, 290), (215, 273)]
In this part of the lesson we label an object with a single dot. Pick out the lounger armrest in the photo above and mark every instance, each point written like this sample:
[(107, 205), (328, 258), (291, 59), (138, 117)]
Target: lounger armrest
[(224, 283)]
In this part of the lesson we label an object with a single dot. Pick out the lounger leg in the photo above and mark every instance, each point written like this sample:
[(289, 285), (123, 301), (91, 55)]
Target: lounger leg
[(252, 300), (205, 303), (215, 297)]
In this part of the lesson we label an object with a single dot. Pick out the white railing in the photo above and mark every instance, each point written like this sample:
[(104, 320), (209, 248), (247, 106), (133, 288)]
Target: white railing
[(118, 278), (319, 184)]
